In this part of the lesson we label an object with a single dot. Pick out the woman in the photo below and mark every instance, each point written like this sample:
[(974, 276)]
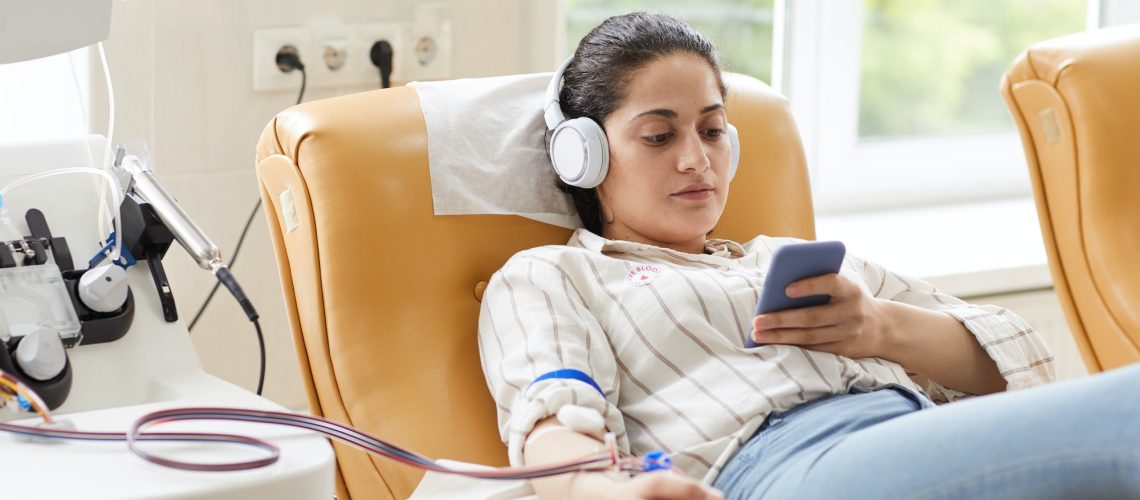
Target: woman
[(639, 322)]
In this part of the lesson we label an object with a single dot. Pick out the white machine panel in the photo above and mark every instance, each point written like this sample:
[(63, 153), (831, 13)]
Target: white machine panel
[(154, 366)]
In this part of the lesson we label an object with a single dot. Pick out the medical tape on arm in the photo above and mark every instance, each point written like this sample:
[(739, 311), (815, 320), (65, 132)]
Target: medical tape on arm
[(573, 417)]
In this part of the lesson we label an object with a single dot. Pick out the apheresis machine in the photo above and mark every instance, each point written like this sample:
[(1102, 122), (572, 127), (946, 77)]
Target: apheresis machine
[(101, 392)]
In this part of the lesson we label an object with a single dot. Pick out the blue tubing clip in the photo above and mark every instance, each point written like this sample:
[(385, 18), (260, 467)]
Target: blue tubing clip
[(656, 460), (125, 260)]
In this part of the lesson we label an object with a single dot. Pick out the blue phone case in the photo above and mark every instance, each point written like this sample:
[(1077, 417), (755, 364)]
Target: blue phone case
[(792, 263)]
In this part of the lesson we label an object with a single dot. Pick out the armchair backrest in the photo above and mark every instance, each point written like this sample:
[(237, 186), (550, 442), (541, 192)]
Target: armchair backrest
[(382, 295), (1077, 104)]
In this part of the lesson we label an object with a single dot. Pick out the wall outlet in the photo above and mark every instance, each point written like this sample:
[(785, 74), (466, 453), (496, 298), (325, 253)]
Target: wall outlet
[(330, 57), (430, 44), (266, 43), (364, 36), (338, 55)]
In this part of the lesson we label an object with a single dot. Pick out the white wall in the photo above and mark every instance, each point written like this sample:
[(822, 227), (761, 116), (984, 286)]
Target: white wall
[(183, 83)]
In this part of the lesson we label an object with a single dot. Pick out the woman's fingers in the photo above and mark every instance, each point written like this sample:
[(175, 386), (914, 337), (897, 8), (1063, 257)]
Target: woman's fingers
[(838, 286), (804, 317), (827, 284), (801, 336)]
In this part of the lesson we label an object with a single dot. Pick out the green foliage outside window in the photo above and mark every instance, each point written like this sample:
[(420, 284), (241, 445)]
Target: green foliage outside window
[(928, 67), (932, 67)]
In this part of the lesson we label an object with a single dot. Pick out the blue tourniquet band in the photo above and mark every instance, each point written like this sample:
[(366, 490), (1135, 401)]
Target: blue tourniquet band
[(569, 373)]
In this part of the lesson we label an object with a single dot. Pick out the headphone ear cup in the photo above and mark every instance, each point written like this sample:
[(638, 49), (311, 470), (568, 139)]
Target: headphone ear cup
[(734, 143), (580, 153)]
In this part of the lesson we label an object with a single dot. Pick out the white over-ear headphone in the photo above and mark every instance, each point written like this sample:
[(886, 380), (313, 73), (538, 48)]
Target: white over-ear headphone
[(578, 148)]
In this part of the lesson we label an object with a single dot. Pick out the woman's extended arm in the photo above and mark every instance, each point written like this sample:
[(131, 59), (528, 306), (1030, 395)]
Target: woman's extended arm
[(969, 349), (856, 325), (551, 442), (946, 352)]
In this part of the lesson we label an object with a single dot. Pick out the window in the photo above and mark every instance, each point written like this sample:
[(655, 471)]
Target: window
[(741, 29), (45, 98), (898, 100)]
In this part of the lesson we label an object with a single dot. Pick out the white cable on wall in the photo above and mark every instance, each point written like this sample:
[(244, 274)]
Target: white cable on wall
[(86, 117), (107, 150)]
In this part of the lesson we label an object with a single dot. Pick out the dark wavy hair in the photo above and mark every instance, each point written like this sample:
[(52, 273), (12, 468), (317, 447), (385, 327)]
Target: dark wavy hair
[(595, 81)]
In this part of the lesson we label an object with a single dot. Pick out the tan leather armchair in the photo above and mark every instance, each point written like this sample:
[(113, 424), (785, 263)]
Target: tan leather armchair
[(383, 296), (1076, 100)]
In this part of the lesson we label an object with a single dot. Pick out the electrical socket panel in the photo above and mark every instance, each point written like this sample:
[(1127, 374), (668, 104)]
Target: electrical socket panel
[(430, 44), (330, 57), (348, 46), (364, 35), (266, 43)]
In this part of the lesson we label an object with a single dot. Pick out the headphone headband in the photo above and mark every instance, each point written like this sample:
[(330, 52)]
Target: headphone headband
[(552, 109)]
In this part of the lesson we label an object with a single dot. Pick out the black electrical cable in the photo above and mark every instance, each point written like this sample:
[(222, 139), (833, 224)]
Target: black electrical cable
[(241, 239), (244, 231), (233, 258), (303, 79), (226, 278), (261, 350)]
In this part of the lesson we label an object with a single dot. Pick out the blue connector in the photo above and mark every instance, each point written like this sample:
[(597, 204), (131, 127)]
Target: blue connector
[(656, 460), (24, 403), (126, 260)]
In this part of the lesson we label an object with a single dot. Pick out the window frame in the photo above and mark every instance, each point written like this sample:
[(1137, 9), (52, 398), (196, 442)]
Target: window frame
[(849, 175)]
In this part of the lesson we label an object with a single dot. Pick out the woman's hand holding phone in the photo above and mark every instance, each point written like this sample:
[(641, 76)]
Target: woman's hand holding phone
[(806, 302), (851, 324)]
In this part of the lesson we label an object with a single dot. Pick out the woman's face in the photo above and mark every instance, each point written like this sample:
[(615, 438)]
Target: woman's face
[(669, 155)]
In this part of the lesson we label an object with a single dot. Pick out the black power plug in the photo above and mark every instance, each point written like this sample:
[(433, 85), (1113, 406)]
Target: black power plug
[(381, 55), (288, 59)]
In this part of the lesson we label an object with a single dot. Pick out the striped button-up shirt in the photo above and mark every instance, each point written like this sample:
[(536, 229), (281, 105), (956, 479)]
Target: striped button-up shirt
[(662, 333)]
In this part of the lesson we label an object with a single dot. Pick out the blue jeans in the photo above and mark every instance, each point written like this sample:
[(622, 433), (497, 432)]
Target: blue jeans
[(1076, 439)]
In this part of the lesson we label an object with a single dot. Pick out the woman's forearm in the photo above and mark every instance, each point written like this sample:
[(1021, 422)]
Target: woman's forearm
[(937, 346), (561, 444)]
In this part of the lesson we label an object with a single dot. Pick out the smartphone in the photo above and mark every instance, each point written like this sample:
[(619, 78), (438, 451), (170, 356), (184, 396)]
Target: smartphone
[(794, 262)]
